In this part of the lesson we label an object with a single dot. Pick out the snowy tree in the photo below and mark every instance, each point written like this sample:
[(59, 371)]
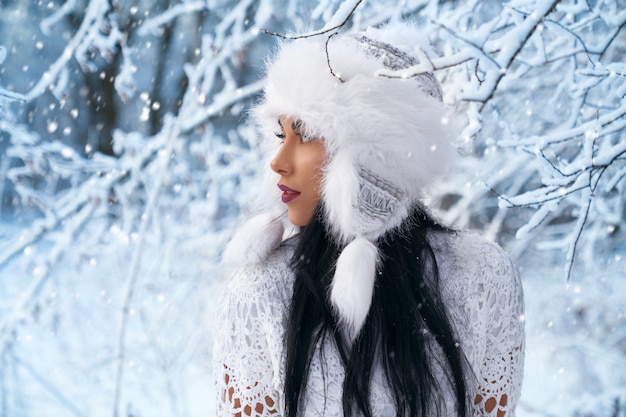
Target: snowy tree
[(126, 165), (547, 87)]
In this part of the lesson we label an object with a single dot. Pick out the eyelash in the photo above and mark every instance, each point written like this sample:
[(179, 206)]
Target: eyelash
[(281, 135)]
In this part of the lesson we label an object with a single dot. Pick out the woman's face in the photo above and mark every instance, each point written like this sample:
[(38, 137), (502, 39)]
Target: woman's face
[(299, 162)]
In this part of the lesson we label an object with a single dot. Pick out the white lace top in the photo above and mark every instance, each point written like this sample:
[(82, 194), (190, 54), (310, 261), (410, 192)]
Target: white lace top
[(480, 288)]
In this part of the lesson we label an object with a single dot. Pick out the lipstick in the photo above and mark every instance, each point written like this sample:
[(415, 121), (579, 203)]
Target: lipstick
[(288, 193)]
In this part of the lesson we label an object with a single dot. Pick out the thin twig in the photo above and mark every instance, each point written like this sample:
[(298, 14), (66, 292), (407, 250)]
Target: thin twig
[(330, 67), (618, 30), (566, 29), (8, 95), (579, 226), (521, 45), (561, 196), (318, 33), (334, 29), (474, 46), (133, 271)]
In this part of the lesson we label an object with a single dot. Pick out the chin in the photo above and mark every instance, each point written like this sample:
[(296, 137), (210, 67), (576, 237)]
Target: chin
[(297, 219), (297, 222)]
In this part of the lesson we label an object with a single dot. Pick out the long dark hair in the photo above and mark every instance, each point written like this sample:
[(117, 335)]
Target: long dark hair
[(406, 308)]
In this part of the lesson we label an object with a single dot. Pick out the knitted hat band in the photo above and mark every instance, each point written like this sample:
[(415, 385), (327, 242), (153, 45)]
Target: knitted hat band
[(376, 201)]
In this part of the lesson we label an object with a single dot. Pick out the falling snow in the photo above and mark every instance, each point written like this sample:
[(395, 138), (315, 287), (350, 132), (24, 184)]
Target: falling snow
[(126, 166)]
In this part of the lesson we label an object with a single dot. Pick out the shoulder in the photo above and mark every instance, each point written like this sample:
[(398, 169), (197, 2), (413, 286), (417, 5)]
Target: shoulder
[(483, 292), (467, 255), (464, 244), (249, 324), (477, 279), (270, 278), (254, 303)]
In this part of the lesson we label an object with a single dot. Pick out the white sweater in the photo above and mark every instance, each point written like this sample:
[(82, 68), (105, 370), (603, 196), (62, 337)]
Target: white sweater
[(479, 286)]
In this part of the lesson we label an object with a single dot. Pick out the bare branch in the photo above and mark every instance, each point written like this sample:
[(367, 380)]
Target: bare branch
[(578, 230), (320, 32), (172, 133)]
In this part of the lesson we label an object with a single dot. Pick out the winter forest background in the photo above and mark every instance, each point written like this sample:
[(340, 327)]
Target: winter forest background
[(125, 165)]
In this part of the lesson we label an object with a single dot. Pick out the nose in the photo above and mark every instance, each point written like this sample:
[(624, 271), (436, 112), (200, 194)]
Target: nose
[(282, 163)]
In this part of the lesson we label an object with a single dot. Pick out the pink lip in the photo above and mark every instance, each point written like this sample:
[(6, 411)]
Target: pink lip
[(288, 193)]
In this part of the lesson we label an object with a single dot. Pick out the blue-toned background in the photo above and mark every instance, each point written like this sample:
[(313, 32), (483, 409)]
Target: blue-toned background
[(125, 165)]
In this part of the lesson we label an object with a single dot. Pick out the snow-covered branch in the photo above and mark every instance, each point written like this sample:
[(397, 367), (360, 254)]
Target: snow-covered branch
[(551, 97), (96, 31), (126, 161)]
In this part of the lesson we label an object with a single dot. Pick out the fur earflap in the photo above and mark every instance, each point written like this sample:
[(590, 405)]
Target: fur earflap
[(353, 284), (255, 240)]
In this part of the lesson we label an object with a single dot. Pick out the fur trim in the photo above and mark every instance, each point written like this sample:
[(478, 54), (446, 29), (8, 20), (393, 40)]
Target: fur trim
[(353, 284), (255, 240), (341, 177)]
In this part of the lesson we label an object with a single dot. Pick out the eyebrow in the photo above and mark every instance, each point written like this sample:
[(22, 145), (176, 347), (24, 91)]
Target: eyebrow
[(295, 125)]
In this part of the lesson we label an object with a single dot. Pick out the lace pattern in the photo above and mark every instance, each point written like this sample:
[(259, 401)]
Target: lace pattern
[(484, 298), (249, 339)]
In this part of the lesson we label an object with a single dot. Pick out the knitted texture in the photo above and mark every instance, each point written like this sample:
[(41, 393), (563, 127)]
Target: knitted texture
[(396, 59), (376, 202), (479, 287)]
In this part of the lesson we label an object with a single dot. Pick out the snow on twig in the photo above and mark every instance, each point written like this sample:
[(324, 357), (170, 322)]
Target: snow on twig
[(548, 142), (339, 20), (87, 33), (9, 95), (170, 131), (220, 103), (586, 196), (151, 25), (516, 40), (47, 23)]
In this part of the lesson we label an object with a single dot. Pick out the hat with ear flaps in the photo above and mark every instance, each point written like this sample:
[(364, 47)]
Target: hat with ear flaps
[(387, 140)]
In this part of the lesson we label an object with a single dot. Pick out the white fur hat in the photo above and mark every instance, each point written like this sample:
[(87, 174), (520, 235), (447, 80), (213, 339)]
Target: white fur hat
[(387, 141)]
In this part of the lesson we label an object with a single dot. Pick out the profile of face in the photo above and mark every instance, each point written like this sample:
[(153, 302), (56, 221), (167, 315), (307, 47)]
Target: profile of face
[(299, 163)]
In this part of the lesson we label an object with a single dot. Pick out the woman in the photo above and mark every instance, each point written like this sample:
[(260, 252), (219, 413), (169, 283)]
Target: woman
[(371, 307)]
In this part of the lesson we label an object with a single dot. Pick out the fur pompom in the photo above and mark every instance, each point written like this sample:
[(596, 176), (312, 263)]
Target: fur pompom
[(254, 241), (353, 284)]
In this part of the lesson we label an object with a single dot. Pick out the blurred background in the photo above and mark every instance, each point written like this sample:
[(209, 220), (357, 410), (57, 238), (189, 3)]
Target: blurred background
[(125, 165)]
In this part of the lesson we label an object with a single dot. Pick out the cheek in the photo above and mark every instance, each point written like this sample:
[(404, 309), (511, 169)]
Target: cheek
[(316, 174), (312, 160)]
